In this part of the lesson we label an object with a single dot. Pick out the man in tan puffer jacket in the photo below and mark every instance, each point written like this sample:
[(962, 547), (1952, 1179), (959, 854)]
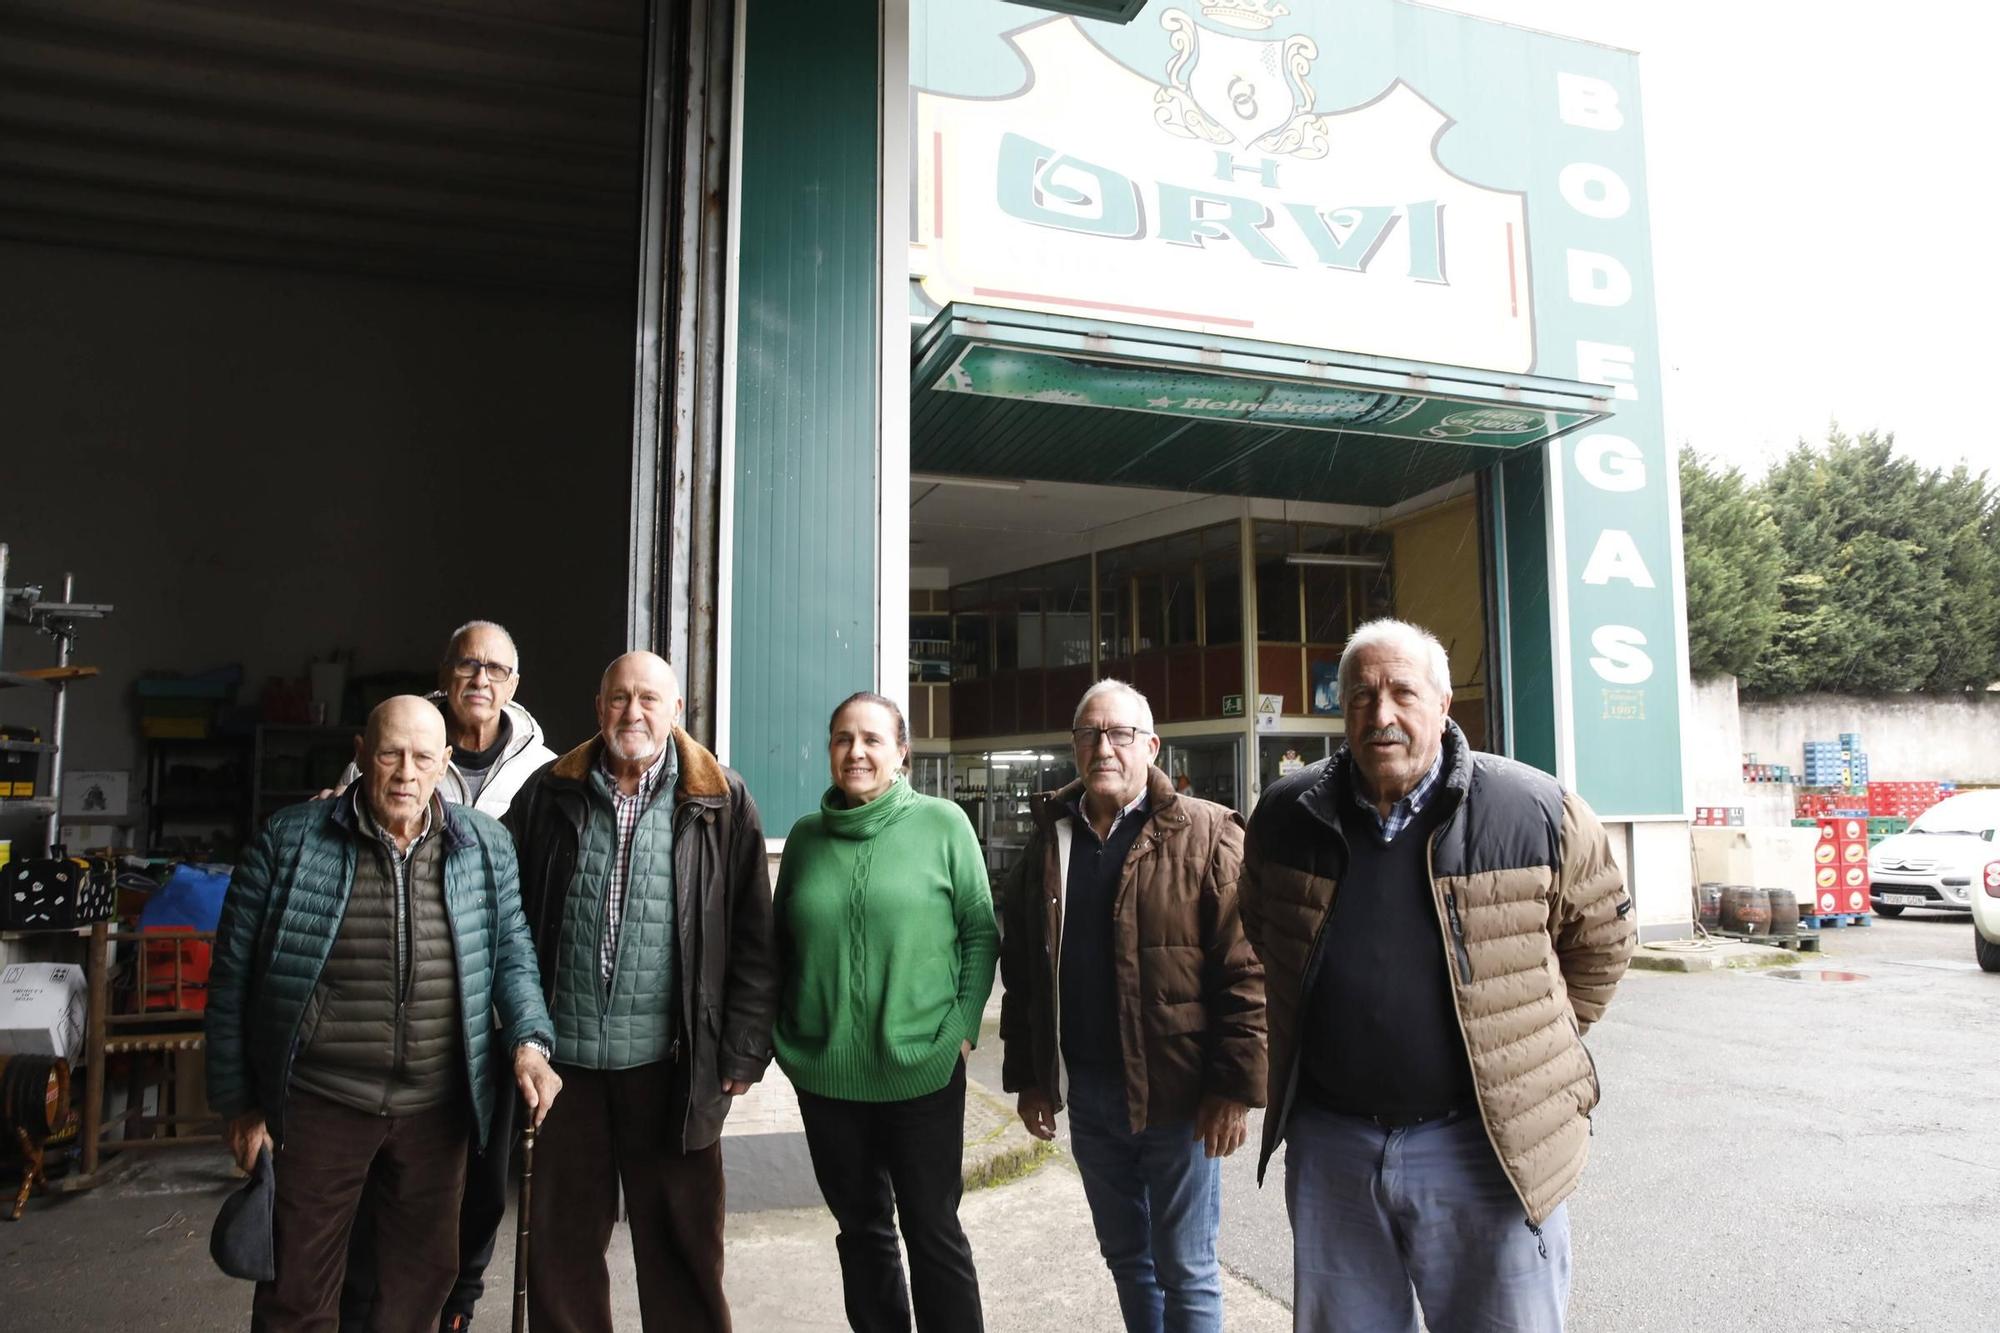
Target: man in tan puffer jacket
[(1438, 929)]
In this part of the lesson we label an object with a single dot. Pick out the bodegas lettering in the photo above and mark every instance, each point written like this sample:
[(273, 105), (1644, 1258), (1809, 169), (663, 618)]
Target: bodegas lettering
[(1611, 464)]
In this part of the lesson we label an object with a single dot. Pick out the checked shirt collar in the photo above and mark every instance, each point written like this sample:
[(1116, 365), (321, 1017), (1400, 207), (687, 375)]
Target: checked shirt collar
[(1402, 812)]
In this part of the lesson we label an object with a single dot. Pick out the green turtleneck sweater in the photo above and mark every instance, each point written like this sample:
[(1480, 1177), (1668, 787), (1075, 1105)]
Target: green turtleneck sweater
[(886, 942)]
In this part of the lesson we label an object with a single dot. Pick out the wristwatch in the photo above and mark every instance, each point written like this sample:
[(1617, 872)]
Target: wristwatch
[(538, 1045)]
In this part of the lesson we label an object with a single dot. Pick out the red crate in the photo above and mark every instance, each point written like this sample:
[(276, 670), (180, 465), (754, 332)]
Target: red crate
[(1826, 890), (175, 974), (1854, 886)]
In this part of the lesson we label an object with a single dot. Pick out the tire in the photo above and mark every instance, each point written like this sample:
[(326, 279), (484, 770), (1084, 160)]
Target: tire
[(1988, 954), (1888, 909)]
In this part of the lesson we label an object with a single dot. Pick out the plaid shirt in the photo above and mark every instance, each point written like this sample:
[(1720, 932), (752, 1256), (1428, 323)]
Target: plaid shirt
[(1132, 807), (628, 809), (1403, 811)]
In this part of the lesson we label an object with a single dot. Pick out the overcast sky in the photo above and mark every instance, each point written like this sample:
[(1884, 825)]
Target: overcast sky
[(1823, 208)]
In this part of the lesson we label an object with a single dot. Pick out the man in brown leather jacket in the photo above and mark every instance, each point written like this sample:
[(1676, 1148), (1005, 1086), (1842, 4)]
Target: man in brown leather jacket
[(1133, 1000)]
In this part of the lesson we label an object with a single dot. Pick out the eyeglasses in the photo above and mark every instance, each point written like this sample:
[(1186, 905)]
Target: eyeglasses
[(1086, 737), (497, 672)]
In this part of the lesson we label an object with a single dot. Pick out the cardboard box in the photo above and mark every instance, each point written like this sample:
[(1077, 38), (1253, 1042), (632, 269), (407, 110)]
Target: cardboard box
[(42, 1009)]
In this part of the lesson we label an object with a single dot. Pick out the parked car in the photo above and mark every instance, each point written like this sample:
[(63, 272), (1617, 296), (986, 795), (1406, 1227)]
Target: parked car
[(1986, 918), (1948, 858)]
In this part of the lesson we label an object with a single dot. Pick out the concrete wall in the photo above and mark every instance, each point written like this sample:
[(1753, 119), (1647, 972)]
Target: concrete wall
[(1657, 858), (257, 466), (1907, 737)]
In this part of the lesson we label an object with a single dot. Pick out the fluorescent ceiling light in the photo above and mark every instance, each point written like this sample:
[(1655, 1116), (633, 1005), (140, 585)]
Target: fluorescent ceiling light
[(1337, 560), (971, 483)]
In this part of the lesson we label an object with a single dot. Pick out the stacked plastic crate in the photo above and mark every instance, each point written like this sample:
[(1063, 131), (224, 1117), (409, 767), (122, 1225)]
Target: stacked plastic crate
[(1854, 759), (1822, 765), (1905, 800), (1840, 866)]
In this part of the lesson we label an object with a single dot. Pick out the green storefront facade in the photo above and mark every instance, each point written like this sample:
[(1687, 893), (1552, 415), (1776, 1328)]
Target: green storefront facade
[(1369, 249)]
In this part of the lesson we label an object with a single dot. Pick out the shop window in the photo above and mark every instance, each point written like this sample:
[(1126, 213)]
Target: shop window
[(1325, 589), (1006, 634), (971, 633), (1277, 583), (1117, 605), (1180, 586), (1067, 609), (1149, 623), (1222, 585)]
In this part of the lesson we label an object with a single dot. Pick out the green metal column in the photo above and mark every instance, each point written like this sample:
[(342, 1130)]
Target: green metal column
[(1523, 537), (803, 575)]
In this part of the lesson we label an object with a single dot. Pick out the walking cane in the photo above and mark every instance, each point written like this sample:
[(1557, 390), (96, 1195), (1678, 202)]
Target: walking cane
[(521, 1227)]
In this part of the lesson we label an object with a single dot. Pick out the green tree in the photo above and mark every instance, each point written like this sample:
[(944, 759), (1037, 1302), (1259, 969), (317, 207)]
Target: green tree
[(1734, 562), (1806, 632), (1965, 520), (1864, 523)]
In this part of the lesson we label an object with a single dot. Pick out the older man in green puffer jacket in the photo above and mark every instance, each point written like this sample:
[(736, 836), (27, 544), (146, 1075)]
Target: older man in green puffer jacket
[(365, 946)]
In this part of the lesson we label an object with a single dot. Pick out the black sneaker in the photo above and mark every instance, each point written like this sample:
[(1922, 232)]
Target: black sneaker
[(455, 1323)]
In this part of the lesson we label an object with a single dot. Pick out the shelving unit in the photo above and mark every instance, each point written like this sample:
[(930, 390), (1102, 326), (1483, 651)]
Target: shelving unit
[(198, 797), (294, 762), (25, 606)]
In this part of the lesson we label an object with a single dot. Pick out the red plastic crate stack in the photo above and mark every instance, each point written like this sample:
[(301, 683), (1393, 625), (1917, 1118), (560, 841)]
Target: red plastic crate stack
[(1905, 800), (1836, 801), (1840, 866)]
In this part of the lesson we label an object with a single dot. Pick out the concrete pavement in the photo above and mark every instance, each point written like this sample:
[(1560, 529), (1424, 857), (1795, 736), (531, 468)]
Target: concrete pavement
[(1777, 1149), (134, 1253)]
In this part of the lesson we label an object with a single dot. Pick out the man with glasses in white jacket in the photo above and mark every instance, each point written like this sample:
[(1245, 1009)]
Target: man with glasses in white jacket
[(495, 745)]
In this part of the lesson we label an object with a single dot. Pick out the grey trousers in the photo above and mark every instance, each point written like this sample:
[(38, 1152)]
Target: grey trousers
[(1385, 1221)]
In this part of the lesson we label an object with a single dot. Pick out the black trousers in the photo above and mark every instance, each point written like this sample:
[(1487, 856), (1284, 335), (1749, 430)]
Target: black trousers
[(616, 1131), (881, 1162), (328, 1155), (487, 1175)]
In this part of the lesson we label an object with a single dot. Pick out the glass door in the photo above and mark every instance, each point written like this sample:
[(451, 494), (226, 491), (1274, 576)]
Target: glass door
[(931, 774), (1210, 767), (1280, 756)]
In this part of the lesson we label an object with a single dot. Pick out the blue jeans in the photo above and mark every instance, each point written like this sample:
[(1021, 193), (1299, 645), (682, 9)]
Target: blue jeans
[(1156, 1201), (1385, 1220)]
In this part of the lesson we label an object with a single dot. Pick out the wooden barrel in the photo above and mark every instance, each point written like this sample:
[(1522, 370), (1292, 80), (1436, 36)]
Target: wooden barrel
[(1784, 911), (1709, 911), (1745, 910), (34, 1094)]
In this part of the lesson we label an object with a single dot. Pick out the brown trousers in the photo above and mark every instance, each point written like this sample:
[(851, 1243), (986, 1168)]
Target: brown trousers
[(622, 1127), (320, 1170)]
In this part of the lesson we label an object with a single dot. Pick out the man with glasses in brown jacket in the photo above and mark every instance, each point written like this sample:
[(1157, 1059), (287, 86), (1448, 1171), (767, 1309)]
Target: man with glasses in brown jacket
[(1133, 1001), (1438, 930)]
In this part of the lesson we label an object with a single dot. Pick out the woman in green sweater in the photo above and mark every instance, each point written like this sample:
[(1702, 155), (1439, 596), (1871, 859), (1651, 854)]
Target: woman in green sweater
[(886, 945)]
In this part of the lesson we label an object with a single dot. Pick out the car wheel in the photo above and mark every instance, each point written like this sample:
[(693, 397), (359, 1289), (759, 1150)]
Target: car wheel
[(1988, 954), (1888, 909)]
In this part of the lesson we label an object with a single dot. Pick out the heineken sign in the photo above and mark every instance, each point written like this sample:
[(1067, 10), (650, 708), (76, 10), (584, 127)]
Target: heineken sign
[(1049, 377)]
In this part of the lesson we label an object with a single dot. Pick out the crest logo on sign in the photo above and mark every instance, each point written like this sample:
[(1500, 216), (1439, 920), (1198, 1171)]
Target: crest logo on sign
[(1252, 91)]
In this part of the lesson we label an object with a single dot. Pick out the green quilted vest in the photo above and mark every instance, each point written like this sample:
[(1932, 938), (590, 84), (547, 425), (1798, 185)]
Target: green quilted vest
[(632, 1021)]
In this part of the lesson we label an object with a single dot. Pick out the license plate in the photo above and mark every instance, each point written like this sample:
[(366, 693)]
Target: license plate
[(1901, 899)]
